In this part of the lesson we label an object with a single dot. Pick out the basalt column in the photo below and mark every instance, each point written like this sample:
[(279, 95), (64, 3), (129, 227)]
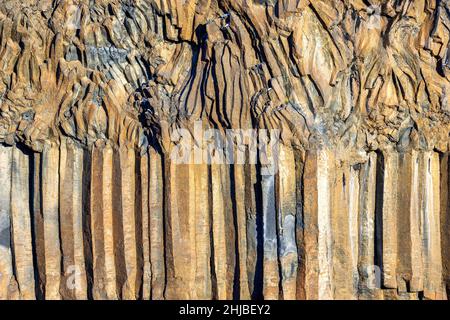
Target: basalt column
[(232, 149)]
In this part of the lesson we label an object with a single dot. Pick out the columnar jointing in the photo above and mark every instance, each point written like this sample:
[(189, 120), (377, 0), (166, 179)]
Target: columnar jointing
[(350, 241), (232, 149)]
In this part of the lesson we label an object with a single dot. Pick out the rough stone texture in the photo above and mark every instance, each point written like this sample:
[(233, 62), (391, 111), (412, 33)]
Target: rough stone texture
[(93, 206)]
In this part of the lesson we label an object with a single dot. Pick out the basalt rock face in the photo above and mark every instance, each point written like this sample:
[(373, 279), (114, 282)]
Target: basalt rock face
[(338, 109)]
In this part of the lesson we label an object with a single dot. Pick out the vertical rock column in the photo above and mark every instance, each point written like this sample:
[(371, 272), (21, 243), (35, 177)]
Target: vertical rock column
[(191, 229), (222, 240), (271, 272), (431, 233), (310, 228), (145, 215), (110, 211), (21, 224), (179, 235), (156, 225), (325, 165), (50, 210), (286, 222), (38, 226), (202, 284), (416, 283), (253, 220), (74, 285), (6, 266), (445, 220), (354, 207), (366, 245), (103, 242), (239, 202), (404, 237), (389, 226), (130, 238), (341, 259), (409, 257)]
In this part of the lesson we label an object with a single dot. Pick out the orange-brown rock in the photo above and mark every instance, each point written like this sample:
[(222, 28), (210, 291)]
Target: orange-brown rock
[(224, 149)]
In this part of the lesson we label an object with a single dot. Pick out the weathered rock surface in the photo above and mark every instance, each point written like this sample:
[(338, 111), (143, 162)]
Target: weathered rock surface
[(97, 96)]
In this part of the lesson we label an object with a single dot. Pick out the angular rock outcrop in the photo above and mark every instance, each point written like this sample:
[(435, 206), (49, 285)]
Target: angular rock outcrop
[(231, 149)]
